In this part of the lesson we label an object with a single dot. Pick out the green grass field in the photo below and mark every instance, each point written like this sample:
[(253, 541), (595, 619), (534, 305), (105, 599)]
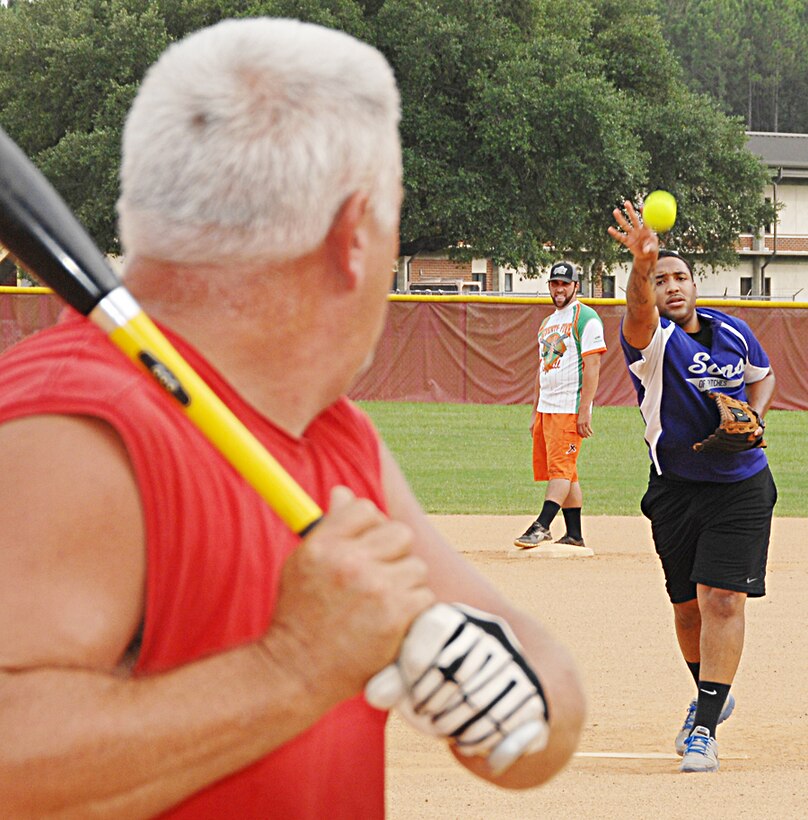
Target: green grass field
[(476, 459)]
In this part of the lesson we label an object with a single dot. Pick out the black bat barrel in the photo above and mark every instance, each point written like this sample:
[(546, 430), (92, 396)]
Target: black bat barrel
[(41, 232)]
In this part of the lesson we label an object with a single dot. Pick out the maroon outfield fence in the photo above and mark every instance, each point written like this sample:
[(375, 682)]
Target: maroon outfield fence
[(24, 311), (482, 349)]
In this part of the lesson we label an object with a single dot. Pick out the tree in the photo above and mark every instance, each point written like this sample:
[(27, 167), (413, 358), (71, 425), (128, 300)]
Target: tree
[(68, 72), (749, 55), (519, 142), (512, 141), (524, 122), (695, 151)]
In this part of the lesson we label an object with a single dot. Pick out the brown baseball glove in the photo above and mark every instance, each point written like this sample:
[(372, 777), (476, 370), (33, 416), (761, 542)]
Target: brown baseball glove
[(741, 427)]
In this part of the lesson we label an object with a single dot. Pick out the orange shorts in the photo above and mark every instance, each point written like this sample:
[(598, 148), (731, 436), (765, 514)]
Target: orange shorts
[(556, 445)]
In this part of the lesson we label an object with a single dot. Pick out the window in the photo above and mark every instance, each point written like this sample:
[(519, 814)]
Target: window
[(746, 286), (508, 283), (768, 228), (479, 277), (607, 286)]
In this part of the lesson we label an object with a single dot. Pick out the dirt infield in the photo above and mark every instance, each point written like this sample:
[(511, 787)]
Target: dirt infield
[(611, 611)]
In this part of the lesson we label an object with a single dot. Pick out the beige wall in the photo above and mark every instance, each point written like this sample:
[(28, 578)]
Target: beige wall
[(794, 215)]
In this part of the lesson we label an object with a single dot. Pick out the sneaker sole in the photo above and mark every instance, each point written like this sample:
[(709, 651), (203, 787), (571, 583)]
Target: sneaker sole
[(702, 770), (523, 546)]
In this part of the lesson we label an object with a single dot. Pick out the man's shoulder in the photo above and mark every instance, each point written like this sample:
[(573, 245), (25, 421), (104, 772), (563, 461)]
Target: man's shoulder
[(563, 315), (69, 367), (552, 320), (343, 410), (347, 419), (555, 314), (589, 329), (719, 316), (54, 348), (587, 312), (659, 343)]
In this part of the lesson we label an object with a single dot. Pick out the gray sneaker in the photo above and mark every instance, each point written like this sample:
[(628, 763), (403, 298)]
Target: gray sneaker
[(701, 752), (690, 719), (533, 536)]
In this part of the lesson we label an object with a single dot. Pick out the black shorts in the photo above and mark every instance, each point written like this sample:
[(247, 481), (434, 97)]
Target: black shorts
[(711, 534)]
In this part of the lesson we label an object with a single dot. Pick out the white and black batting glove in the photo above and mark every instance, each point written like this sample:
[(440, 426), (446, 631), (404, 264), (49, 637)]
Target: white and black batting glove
[(461, 675)]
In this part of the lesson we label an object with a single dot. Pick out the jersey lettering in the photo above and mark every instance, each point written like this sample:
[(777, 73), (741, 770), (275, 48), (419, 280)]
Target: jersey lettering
[(672, 376)]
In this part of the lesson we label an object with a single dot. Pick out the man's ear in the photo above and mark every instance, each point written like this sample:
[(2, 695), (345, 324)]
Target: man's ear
[(347, 239)]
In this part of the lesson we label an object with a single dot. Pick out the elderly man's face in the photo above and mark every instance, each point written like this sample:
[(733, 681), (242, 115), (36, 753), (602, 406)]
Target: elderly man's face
[(383, 246)]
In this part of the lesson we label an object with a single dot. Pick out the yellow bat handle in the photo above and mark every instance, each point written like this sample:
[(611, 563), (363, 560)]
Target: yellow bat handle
[(141, 340)]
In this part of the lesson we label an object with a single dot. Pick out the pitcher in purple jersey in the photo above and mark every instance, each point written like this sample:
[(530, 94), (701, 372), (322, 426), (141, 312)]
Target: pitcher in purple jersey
[(710, 512)]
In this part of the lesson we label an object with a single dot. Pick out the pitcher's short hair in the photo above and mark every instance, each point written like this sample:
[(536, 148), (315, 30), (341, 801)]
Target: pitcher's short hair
[(668, 252)]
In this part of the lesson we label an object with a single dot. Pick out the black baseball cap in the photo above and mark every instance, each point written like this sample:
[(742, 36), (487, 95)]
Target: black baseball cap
[(563, 271)]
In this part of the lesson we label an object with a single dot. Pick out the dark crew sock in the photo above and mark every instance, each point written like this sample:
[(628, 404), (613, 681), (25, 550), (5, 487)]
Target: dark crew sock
[(711, 701), (694, 670), (548, 513), (572, 518)]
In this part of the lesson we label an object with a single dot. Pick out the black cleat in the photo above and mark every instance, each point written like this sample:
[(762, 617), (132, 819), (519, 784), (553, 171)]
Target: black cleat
[(573, 542)]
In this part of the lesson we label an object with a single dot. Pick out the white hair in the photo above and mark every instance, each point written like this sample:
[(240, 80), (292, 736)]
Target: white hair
[(245, 138)]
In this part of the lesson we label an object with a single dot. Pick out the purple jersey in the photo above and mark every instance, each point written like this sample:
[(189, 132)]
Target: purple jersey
[(672, 377)]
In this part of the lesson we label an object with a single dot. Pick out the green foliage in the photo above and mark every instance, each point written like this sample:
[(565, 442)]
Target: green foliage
[(440, 56), (749, 55), (512, 142), (520, 140), (717, 188), (68, 72), (551, 126), (476, 459), (693, 149), (524, 122), (346, 15)]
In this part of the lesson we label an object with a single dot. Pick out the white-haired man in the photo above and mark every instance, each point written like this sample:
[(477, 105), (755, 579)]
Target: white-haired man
[(166, 645)]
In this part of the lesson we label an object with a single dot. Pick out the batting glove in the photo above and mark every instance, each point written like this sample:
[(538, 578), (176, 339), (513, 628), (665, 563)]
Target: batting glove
[(461, 675)]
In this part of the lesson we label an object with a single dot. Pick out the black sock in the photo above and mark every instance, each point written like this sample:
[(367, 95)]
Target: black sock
[(572, 518), (694, 670), (711, 701), (548, 513)]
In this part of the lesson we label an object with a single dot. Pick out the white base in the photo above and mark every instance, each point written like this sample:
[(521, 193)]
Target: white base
[(550, 550)]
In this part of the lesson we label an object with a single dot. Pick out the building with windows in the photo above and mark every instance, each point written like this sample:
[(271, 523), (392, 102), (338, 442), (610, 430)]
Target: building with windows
[(775, 264), (772, 265)]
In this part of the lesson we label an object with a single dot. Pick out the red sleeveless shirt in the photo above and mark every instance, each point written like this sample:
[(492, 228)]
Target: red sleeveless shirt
[(215, 550)]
